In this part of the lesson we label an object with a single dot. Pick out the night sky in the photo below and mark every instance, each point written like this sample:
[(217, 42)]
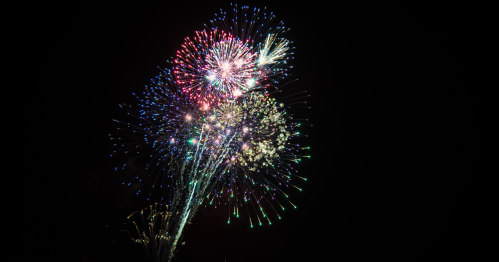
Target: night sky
[(393, 143)]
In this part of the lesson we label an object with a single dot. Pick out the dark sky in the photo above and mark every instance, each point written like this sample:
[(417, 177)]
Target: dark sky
[(393, 144)]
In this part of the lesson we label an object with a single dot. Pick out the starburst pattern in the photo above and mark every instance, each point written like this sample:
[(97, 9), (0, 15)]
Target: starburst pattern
[(211, 128)]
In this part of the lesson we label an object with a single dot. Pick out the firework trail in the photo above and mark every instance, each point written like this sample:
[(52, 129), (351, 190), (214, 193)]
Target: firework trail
[(211, 128)]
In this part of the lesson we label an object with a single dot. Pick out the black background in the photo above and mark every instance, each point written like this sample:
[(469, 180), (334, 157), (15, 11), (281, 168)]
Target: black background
[(393, 144)]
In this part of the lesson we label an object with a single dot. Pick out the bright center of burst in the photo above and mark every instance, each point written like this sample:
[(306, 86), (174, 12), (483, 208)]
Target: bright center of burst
[(226, 66), (250, 82), (211, 77), (226, 70)]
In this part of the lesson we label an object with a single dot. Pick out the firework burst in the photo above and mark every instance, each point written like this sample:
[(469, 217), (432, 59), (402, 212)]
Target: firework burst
[(212, 129)]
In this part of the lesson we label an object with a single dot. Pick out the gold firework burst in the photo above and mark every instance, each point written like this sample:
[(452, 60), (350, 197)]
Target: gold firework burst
[(229, 114)]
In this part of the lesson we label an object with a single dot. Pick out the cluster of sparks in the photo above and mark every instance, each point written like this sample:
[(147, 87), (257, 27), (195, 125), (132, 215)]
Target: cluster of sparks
[(214, 129)]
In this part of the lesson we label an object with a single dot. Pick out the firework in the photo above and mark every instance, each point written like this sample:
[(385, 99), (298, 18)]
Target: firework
[(229, 60), (211, 128), (150, 232)]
